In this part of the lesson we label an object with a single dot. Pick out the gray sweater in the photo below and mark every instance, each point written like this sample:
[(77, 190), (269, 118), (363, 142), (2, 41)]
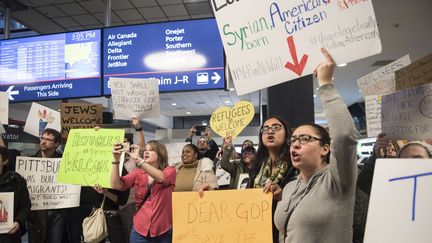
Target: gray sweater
[(325, 203)]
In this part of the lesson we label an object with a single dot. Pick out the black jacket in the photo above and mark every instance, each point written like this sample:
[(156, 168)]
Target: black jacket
[(13, 182)]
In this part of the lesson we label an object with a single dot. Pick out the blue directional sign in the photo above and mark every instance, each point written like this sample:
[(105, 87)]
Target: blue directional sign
[(66, 65), (183, 55)]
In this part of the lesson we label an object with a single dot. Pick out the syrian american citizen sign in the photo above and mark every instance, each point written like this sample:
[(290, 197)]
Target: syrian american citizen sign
[(270, 42)]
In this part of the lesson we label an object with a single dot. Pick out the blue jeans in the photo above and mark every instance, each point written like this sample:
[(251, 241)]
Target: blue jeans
[(135, 237)]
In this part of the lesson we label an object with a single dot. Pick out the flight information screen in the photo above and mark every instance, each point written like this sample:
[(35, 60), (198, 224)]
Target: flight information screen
[(58, 66), (183, 55)]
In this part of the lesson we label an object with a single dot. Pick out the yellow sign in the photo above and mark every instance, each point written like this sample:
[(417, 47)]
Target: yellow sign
[(222, 216), (227, 121), (88, 155)]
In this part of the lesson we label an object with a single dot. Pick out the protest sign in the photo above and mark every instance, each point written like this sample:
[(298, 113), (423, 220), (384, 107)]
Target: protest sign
[(222, 176), (243, 181), (88, 155), (269, 42), (222, 216), (407, 114), (399, 206), (6, 211), (4, 108), (418, 73), (40, 118), (41, 177), (134, 97), (227, 121), (174, 152), (79, 115), (373, 115), (382, 81)]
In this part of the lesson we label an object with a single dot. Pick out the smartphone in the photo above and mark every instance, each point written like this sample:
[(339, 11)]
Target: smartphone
[(200, 130), (125, 147)]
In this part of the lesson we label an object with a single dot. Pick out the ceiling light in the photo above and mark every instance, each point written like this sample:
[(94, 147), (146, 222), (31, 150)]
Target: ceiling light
[(173, 104), (342, 64), (314, 95), (188, 112), (204, 124), (231, 89), (227, 102)]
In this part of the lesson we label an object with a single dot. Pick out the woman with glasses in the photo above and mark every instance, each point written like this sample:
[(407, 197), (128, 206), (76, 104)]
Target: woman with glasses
[(272, 168), (319, 205)]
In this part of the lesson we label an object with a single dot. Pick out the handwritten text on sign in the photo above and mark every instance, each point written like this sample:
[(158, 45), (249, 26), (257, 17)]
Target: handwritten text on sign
[(418, 73), (79, 115), (135, 98), (222, 216), (407, 114), (227, 121), (399, 206), (382, 81), (268, 42), (373, 115), (87, 157), (41, 177)]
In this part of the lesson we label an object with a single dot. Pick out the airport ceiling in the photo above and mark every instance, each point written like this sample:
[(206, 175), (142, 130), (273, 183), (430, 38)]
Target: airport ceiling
[(405, 28)]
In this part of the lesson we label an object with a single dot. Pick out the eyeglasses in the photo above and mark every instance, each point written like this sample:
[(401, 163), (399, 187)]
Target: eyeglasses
[(304, 139), (273, 127), (47, 139)]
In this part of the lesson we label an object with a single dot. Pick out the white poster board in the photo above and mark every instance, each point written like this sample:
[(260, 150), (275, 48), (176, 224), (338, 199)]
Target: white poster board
[(4, 108), (382, 81), (41, 177), (41, 117), (373, 115), (174, 152), (134, 97), (400, 203), (243, 181), (6, 211), (222, 176), (407, 114), (268, 42)]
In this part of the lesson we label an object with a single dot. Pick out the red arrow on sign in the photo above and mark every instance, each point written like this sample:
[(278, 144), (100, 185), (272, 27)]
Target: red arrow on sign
[(296, 67)]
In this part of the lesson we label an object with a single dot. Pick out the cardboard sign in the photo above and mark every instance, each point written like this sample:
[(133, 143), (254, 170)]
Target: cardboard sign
[(373, 115), (40, 118), (382, 81), (79, 115), (227, 121), (88, 155), (407, 114), (268, 42), (134, 97), (41, 177), (6, 211), (174, 152), (418, 73), (222, 216), (399, 205), (4, 108)]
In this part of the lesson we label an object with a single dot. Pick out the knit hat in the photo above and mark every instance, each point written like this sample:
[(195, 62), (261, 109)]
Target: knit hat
[(426, 146)]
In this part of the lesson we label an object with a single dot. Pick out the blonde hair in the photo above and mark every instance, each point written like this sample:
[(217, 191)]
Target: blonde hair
[(162, 153)]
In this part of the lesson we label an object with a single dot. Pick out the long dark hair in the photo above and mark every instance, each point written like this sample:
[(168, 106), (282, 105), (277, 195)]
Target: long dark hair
[(263, 152)]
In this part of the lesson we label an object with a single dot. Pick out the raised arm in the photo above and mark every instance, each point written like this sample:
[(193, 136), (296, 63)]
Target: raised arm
[(116, 182), (155, 173), (225, 163), (341, 126), (140, 133)]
